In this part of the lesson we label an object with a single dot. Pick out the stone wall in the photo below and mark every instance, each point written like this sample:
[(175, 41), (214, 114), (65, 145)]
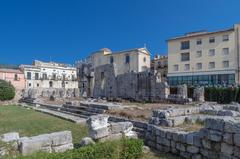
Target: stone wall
[(142, 86), (50, 92), (54, 142), (219, 139)]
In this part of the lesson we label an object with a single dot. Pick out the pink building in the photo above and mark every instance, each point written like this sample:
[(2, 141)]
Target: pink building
[(15, 76)]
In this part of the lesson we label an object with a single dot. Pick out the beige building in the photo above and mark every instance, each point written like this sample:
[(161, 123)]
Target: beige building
[(160, 64), (205, 58), (137, 60), (133, 60), (50, 75)]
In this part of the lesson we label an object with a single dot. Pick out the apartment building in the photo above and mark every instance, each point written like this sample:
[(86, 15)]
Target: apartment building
[(50, 75), (205, 58)]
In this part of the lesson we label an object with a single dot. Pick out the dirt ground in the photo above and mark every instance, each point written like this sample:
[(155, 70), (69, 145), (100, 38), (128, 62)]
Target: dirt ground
[(143, 111)]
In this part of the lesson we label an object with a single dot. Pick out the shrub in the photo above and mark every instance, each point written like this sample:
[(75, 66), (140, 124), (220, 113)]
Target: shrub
[(122, 149), (7, 91)]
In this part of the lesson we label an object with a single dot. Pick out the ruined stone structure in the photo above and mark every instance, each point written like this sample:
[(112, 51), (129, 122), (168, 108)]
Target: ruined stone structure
[(100, 129), (133, 60), (160, 64), (54, 142), (141, 86)]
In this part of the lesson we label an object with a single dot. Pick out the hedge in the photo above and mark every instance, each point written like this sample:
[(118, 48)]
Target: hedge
[(7, 91), (122, 149)]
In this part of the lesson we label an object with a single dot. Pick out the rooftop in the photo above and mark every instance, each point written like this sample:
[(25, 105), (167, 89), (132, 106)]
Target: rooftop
[(200, 33), (6, 70)]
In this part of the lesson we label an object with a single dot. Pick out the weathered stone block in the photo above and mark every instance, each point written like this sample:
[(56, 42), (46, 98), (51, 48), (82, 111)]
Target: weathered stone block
[(226, 149), (8, 137), (62, 148), (99, 133), (61, 138), (228, 138), (206, 144), (121, 127), (237, 139), (192, 149), (181, 147)]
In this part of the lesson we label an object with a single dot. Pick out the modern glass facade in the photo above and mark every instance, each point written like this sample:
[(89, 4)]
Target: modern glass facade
[(203, 80)]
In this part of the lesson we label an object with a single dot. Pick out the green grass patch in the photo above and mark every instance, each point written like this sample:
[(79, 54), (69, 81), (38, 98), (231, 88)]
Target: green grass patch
[(30, 123), (120, 149)]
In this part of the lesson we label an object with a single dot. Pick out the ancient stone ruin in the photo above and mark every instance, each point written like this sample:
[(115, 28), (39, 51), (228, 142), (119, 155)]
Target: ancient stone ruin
[(54, 142), (100, 129)]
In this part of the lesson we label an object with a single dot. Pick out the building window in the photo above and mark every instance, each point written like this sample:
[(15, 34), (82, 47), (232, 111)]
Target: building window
[(199, 54), (144, 59), (175, 67), (29, 84), (212, 40), (16, 77), (185, 56), (50, 84), (37, 84), (225, 64), (199, 41), (211, 52), (199, 66), (185, 45), (225, 37), (127, 60), (73, 77), (225, 51), (29, 75), (64, 77), (211, 65), (44, 76), (36, 76), (54, 76), (111, 59), (187, 67)]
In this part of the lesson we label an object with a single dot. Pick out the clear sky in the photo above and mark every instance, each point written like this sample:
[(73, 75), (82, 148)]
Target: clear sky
[(68, 30)]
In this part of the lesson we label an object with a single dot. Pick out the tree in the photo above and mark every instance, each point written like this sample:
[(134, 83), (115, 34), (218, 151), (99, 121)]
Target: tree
[(7, 91)]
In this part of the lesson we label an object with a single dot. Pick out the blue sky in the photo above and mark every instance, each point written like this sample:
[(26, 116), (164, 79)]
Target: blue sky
[(68, 30)]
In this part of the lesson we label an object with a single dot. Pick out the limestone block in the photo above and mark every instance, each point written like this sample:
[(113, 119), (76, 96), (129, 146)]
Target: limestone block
[(226, 148), (228, 138), (196, 156), (214, 135), (87, 141), (98, 121), (8, 137), (121, 127), (206, 144), (99, 133), (61, 138), (215, 124), (181, 147), (35, 144), (236, 151), (192, 149), (163, 141), (62, 148), (237, 139)]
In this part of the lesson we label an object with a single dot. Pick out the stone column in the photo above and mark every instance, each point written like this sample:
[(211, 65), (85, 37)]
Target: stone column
[(182, 91), (198, 94)]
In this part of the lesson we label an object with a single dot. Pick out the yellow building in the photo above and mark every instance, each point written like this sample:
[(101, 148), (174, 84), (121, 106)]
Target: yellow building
[(205, 58), (137, 60)]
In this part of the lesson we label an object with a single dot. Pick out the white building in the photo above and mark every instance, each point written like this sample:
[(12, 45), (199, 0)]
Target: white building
[(50, 75), (205, 58)]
